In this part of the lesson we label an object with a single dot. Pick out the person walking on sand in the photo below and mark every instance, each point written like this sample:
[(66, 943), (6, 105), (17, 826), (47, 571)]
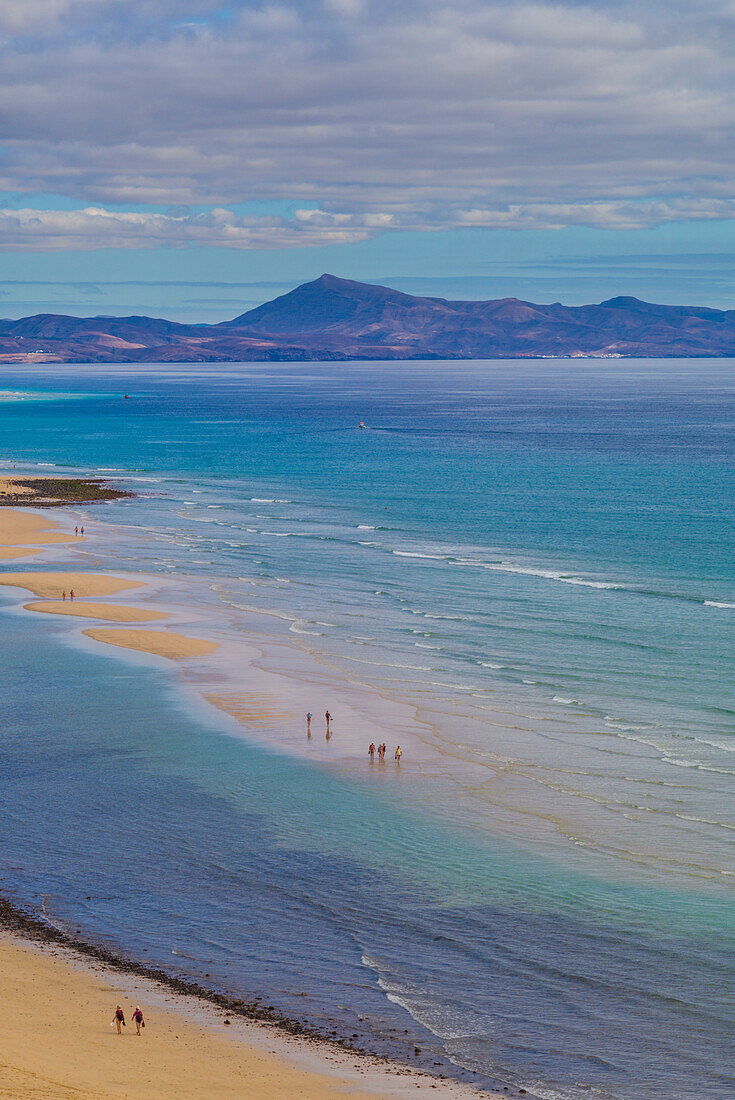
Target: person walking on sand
[(399, 754), (82, 532), (76, 530), (139, 1021), (119, 1019), (371, 751)]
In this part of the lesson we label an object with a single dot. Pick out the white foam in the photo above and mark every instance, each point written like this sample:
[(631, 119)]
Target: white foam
[(297, 627), (412, 554), (720, 603)]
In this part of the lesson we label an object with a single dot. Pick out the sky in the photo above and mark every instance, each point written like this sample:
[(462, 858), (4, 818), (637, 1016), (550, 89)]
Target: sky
[(193, 158)]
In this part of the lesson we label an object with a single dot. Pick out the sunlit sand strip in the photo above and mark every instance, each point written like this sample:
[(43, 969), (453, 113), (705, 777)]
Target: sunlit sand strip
[(10, 553), (112, 612), (58, 1044), (177, 647), (18, 527), (252, 708), (51, 585)]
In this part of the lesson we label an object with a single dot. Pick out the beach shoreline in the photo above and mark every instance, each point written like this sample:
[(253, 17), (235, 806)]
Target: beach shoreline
[(288, 1043), (353, 1068)]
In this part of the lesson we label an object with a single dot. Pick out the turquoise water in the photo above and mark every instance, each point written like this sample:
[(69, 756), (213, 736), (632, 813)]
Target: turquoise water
[(539, 559)]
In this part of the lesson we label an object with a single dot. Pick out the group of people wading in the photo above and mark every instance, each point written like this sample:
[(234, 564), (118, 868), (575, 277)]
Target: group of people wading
[(380, 749)]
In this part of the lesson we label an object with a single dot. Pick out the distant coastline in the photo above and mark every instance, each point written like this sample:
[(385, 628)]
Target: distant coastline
[(334, 319)]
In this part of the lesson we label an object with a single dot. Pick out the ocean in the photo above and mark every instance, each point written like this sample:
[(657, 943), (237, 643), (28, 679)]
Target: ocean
[(522, 572)]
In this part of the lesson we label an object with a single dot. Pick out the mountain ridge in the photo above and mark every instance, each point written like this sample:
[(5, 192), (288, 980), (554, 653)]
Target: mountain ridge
[(341, 319)]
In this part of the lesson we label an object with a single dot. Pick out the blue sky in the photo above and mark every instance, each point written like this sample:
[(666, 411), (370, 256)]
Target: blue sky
[(191, 159)]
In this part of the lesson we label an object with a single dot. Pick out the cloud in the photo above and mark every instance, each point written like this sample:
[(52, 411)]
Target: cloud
[(96, 227), (427, 114)]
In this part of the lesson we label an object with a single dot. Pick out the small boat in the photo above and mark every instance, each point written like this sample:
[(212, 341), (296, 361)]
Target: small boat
[(362, 424)]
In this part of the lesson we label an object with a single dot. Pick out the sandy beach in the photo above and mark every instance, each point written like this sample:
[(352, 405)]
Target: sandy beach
[(176, 647), (20, 528), (51, 585), (58, 1042), (116, 613)]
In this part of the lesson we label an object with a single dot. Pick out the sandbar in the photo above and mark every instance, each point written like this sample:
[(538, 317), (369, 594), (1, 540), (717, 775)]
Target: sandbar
[(163, 644), (58, 1044), (10, 553), (113, 612), (17, 528), (51, 585)]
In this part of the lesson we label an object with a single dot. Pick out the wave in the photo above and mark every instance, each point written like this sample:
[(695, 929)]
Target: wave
[(720, 603), (297, 627), (269, 500), (365, 527), (414, 554)]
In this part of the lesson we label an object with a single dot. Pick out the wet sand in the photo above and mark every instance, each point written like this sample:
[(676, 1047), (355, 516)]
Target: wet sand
[(10, 553)]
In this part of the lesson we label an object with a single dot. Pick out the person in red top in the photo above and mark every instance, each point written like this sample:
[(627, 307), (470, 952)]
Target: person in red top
[(119, 1019), (138, 1017), (371, 751)]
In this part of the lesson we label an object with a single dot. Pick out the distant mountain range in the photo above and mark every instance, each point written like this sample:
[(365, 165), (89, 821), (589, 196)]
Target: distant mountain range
[(333, 318)]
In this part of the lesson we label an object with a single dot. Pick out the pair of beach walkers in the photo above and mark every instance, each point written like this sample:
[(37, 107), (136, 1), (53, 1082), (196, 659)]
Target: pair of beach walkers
[(119, 1019)]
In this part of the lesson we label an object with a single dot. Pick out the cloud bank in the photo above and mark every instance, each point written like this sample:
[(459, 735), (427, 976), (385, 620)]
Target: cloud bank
[(425, 115)]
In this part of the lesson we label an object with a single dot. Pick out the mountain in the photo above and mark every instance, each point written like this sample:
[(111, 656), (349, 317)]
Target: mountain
[(333, 318)]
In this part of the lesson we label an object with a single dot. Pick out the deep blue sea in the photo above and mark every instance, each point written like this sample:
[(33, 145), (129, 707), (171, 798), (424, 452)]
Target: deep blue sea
[(524, 572)]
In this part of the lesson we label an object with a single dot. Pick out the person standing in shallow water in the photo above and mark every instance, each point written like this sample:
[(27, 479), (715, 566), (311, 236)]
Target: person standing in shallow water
[(138, 1017), (371, 751), (119, 1019), (399, 754), (308, 724), (328, 718)]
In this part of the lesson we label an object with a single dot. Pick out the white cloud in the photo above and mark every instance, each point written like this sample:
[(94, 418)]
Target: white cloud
[(95, 227), (513, 113)]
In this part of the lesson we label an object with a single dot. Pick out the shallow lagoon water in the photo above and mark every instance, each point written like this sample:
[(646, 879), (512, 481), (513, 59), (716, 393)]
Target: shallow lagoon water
[(555, 539)]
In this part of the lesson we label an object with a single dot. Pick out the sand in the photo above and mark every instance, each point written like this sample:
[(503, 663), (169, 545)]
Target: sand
[(58, 1044), (175, 646), (51, 585), (17, 528), (113, 612), (10, 553)]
